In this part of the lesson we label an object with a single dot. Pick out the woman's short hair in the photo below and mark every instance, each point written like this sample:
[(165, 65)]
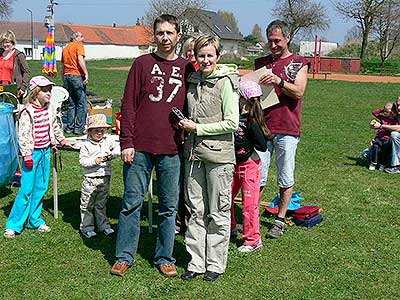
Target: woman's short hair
[(207, 40), (8, 36), (186, 44)]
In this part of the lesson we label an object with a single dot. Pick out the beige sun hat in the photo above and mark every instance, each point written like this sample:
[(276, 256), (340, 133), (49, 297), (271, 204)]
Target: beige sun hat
[(97, 121)]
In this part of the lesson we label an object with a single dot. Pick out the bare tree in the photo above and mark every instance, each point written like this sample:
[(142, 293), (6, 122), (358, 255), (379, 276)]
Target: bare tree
[(5, 8), (173, 7), (364, 12), (257, 33), (353, 34), (230, 18), (302, 15), (387, 28)]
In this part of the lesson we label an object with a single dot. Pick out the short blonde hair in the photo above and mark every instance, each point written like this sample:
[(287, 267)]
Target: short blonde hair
[(189, 42), (207, 40), (9, 36)]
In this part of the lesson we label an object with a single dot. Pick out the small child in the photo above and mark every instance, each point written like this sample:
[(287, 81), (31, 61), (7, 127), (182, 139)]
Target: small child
[(251, 135), (95, 157), (38, 130), (386, 116)]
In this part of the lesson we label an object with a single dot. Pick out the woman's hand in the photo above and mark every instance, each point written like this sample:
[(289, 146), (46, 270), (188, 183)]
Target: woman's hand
[(187, 125)]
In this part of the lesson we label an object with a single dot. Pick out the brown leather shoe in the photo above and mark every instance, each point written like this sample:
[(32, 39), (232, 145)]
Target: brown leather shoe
[(119, 268), (168, 270)]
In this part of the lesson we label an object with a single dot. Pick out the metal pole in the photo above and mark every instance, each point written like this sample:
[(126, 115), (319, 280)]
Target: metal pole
[(31, 31)]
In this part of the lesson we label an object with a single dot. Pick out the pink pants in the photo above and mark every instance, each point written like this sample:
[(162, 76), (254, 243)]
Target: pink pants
[(247, 176)]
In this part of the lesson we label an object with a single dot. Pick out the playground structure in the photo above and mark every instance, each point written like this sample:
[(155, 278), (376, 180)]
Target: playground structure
[(328, 65)]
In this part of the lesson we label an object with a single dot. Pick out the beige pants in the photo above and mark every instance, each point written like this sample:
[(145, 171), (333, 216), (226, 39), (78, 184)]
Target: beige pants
[(94, 196), (208, 194)]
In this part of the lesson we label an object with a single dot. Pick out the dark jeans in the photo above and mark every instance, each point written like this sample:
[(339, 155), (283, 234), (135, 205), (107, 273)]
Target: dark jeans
[(136, 181), (380, 152), (75, 118)]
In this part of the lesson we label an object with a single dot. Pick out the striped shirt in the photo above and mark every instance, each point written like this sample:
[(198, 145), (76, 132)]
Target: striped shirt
[(41, 126)]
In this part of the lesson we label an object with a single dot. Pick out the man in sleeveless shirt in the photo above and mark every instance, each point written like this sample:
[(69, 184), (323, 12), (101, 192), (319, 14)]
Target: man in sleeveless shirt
[(289, 77)]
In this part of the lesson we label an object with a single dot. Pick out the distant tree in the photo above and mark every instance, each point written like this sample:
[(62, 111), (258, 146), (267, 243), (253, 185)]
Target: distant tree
[(257, 33), (173, 7), (251, 39), (353, 34), (5, 8), (387, 28), (302, 15), (364, 13), (230, 18)]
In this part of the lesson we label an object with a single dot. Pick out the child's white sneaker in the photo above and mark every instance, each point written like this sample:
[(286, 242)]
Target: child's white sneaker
[(89, 234), (372, 166), (44, 228), (9, 234), (248, 249), (108, 231)]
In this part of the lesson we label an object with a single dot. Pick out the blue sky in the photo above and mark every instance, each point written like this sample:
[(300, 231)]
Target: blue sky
[(125, 12)]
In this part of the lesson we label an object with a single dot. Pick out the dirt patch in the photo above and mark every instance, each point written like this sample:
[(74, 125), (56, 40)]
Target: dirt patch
[(333, 76)]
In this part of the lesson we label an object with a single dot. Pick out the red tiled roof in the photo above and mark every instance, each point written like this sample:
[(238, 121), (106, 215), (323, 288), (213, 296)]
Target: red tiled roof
[(93, 34)]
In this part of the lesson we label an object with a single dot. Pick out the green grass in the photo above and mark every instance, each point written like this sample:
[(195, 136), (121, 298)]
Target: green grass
[(353, 254)]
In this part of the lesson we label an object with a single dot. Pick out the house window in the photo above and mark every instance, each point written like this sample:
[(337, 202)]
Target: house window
[(227, 28), (196, 28), (28, 52), (216, 27)]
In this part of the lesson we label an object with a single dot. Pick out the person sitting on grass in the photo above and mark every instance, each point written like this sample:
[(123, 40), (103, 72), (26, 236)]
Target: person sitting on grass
[(386, 116), (394, 141), (252, 134), (38, 130), (95, 157)]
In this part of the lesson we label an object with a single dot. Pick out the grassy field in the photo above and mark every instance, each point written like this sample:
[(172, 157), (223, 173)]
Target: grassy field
[(353, 254)]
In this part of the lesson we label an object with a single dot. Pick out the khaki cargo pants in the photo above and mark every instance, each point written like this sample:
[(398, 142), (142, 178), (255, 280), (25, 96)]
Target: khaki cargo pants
[(208, 194)]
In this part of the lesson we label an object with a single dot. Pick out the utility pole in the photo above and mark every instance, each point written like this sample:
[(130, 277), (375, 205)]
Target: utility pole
[(31, 32)]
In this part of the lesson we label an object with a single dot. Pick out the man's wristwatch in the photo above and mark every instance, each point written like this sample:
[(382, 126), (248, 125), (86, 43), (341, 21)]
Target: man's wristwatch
[(281, 84)]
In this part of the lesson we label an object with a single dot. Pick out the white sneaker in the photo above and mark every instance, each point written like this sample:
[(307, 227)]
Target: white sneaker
[(44, 228), (372, 167), (9, 234), (108, 231), (89, 234), (248, 249)]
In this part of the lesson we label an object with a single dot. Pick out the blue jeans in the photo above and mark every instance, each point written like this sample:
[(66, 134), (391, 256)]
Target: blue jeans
[(29, 201), (75, 118), (285, 147), (395, 141), (136, 181)]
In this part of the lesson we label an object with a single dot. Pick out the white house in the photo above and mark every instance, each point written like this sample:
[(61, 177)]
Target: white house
[(101, 42), (307, 48)]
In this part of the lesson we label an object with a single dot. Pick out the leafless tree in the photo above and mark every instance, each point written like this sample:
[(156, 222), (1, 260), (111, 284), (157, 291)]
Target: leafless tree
[(5, 8), (173, 7), (353, 34), (387, 28), (364, 13), (302, 15), (257, 33)]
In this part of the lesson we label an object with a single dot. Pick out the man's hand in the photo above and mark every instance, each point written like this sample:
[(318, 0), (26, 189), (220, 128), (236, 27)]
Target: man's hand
[(86, 80), (270, 78), (127, 155), (375, 125)]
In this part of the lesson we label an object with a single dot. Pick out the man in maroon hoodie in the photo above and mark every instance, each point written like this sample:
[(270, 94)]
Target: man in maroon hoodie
[(289, 77), (155, 84)]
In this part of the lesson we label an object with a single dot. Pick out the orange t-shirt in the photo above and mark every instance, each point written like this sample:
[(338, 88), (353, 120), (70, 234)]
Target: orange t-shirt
[(6, 69), (70, 58)]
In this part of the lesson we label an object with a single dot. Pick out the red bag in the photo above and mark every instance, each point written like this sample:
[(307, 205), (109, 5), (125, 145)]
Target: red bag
[(306, 212)]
